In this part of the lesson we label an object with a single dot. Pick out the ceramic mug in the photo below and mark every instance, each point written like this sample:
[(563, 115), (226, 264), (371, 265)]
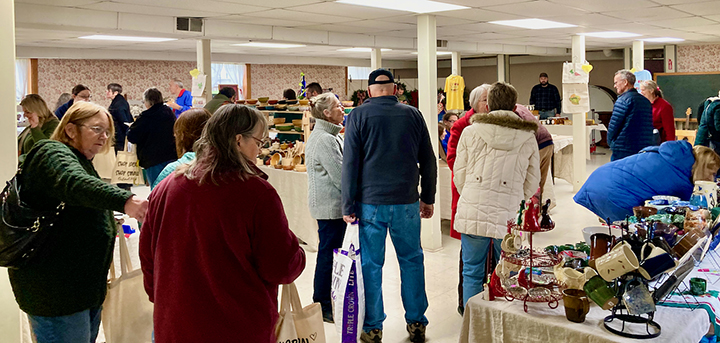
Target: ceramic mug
[(573, 278), (638, 300), (698, 286), (641, 212), (508, 244), (685, 243), (649, 250), (619, 261), (576, 304), (656, 265), (599, 292), (589, 273), (600, 244)]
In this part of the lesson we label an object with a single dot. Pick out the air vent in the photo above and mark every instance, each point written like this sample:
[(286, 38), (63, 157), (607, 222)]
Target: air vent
[(189, 24), (441, 43)]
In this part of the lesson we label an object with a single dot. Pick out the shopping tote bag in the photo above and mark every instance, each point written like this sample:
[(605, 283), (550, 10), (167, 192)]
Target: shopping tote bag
[(127, 314), (574, 73), (348, 289), (127, 170), (297, 324)]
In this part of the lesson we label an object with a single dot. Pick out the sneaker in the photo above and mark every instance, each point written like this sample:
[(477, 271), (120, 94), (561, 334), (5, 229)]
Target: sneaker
[(373, 336), (417, 332), (328, 317)]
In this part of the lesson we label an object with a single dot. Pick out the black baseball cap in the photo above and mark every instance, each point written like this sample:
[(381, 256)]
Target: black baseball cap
[(379, 72)]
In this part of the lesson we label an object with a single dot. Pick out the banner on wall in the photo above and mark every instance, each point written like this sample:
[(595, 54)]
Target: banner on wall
[(198, 85), (576, 98)]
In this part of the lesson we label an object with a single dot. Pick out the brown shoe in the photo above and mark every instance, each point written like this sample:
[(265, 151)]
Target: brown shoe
[(417, 332), (373, 336)]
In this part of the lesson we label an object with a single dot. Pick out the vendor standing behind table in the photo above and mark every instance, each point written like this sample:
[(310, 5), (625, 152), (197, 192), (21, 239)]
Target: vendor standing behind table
[(184, 97), (79, 93), (224, 96), (289, 94), (546, 98), (615, 188), (631, 125), (313, 90), (152, 132), (324, 155), (41, 123), (662, 111)]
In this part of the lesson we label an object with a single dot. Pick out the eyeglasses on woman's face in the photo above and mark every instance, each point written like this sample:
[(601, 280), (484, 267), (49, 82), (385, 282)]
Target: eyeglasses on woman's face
[(260, 142), (98, 130)]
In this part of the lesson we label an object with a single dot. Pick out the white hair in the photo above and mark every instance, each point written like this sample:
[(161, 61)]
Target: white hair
[(476, 93)]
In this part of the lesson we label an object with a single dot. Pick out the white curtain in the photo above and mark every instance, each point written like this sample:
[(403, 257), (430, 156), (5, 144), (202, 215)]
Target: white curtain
[(22, 70), (228, 73)]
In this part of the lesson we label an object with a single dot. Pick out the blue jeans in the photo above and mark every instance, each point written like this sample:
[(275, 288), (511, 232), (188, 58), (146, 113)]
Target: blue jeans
[(474, 253), (79, 327), (331, 233), (403, 222), (546, 114), (153, 172)]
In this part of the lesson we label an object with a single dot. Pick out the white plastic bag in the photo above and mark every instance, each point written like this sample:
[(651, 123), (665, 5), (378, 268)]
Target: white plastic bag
[(348, 289)]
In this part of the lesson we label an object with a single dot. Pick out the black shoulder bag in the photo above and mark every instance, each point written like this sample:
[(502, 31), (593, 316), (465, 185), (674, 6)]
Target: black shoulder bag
[(23, 230)]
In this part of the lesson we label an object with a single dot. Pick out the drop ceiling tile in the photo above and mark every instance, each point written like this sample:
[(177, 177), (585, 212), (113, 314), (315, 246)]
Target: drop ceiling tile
[(701, 8), (483, 3), (677, 2), (475, 14), (715, 17), (587, 19), (144, 9), (601, 6), (538, 9), (380, 24), (402, 33), (487, 27), (275, 3), (707, 29), (346, 10), (250, 19), (59, 3), (681, 22), (215, 6), (336, 28), (318, 19), (650, 13)]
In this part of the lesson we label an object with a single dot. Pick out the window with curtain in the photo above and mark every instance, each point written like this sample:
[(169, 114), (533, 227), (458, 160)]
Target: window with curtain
[(228, 73), (22, 73), (358, 73)]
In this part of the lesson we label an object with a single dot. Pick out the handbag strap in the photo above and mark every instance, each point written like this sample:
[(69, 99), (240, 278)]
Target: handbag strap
[(290, 299)]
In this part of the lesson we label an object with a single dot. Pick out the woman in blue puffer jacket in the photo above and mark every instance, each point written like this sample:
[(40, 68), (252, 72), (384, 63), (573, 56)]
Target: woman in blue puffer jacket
[(669, 169)]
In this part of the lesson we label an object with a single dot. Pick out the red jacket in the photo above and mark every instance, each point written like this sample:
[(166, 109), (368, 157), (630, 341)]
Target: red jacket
[(663, 119), (212, 259), (455, 133)]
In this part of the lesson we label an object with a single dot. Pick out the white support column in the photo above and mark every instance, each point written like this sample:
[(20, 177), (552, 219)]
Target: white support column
[(430, 236), (638, 54), (376, 58), (456, 63), (670, 58), (204, 65), (580, 137), (627, 58), (501, 72), (9, 311)]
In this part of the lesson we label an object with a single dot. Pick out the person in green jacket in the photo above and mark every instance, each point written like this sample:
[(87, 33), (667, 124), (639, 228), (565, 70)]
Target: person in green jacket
[(188, 129), (224, 96), (63, 287), (41, 123)]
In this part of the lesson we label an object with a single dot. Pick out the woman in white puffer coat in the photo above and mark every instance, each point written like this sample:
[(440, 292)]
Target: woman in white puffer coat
[(497, 166)]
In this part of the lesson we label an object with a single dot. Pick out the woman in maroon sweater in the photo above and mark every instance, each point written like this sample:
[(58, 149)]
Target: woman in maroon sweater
[(662, 111), (216, 244)]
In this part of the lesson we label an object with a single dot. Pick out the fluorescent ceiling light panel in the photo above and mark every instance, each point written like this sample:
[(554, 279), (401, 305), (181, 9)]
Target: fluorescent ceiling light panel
[(128, 38), (663, 40), (417, 6), (270, 45), (361, 49), (438, 53), (611, 34), (533, 24)]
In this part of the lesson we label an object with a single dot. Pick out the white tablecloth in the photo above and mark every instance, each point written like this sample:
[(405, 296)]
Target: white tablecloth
[(563, 168), (503, 321), (293, 187), (567, 130)]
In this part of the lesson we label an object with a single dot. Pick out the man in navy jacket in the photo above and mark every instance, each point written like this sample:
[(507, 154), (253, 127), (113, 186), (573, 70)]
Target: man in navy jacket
[(631, 127), (387, 152)]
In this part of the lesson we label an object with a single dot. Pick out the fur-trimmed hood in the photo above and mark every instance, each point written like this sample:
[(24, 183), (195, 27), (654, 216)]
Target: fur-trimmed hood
[(503, 130)]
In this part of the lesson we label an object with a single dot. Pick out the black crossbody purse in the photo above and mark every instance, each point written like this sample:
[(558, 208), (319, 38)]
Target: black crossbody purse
[(23, 230)]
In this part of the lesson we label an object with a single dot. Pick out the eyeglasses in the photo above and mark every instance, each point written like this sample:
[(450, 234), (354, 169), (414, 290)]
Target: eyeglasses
[(98, 130), (260, 142)]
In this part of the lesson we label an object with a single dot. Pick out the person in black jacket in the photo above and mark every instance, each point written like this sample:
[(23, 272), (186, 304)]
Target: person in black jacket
[(120, 111), (152, 132)]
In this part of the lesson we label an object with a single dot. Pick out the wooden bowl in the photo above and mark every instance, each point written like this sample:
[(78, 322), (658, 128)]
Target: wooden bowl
[(275, 160), (298, 128), (251, 101), (348, 103), (304, 102), (290, 167), (293, 108), (296, 160), (279, 120), (300, 168), (240, 102), (280, 107), (284, 127), (272, 102), (291, 102), (264, 99), (297, 122), (269, 108)]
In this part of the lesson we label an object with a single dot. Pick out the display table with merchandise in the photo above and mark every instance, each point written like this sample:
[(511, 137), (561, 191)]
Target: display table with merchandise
[(292, 187), (567, 130), (503, 321)]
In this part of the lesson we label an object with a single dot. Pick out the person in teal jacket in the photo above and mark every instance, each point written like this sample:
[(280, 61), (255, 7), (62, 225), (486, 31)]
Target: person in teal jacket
[(615, 188), (188, 129), (184, 97)]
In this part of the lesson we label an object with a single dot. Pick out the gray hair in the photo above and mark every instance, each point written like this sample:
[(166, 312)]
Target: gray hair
[(320, 103), (477, 93), (152, 96), (627, 76), (178, 82)]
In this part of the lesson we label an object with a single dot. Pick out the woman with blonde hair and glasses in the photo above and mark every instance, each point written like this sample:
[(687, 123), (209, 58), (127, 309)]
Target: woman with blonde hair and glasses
[(216, 243), (63, 287), (662, 111), (41, 123)]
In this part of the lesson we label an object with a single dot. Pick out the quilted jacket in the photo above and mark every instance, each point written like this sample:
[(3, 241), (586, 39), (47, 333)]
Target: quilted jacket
[(615, 188), (496, 167), (631, 124)]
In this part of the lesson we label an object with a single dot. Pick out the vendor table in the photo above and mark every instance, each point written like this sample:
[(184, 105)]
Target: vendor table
[(292, 187), (563, 157), (567, 130), (503, 321)]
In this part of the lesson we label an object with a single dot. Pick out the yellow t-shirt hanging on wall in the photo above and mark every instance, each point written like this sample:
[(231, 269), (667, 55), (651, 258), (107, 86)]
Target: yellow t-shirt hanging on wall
[(454, 88)]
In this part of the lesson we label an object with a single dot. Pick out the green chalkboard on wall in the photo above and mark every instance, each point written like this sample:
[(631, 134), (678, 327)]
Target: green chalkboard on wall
[(683, 90)]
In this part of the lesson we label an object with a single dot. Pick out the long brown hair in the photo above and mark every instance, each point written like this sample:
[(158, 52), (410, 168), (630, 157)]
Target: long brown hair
[(188, 129), (35, 104), (218, 158)]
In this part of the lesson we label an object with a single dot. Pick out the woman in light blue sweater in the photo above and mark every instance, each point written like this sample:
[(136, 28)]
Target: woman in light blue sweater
[(323, 157)]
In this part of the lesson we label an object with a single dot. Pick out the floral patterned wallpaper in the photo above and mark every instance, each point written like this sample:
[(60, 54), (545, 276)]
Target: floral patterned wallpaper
[(698, 58), (57, 76), (272, 79)]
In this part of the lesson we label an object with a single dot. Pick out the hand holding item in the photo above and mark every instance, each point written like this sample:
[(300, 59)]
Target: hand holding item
[(426, 211), (173, 105), (350, 219), (136, 207)]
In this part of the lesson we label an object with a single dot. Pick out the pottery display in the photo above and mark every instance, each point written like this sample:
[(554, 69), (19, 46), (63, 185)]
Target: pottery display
[(272, 102), (576, 304), (284, 127), (546, 223), (618, 262), (704, 194), (297, 122), (264, 99), (251, 101)]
